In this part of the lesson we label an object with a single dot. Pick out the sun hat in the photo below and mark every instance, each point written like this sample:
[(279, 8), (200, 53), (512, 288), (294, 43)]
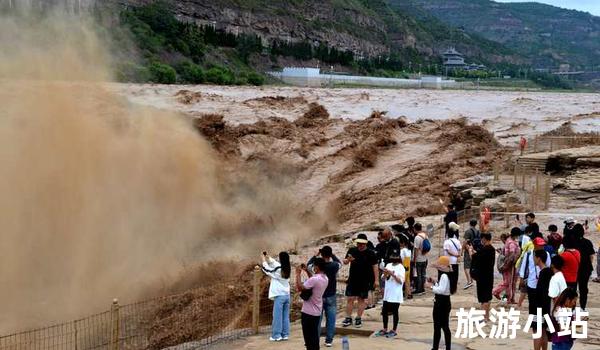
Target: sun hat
[(570, 220), (361, 238), (454, 226), (443, 264), (539, 241)]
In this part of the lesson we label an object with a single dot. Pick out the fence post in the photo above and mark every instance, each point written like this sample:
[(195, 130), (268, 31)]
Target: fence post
[(114, 318), (496, 173), (256, 300), (506, 221), (75, 335), (547, 194)]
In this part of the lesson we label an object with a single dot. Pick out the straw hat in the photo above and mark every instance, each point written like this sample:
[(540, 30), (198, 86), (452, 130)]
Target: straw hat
[(443, 264)]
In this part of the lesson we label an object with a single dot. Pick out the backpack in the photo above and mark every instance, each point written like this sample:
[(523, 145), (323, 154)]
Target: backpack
[(501, 262), (426, 246), (476, 242)]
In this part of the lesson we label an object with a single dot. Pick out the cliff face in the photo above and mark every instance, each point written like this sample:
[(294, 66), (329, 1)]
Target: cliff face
[(342, 24)]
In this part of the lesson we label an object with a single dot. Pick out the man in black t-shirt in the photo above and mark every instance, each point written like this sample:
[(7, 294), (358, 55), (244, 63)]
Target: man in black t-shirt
[(451, 216), (483, 264), (543, 301), (586, 253), (362, 277)]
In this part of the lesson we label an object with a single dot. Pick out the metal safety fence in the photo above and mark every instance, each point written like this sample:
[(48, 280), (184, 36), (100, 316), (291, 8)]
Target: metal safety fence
[(198, 317), (553, 143)]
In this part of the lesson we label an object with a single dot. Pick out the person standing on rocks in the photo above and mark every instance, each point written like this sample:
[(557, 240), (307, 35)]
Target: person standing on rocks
[(542, 295), (483, 268), (362, 277), (529, 273), (469, 237), (386, 247), (568, 229), (442, 305), (279, 292), (586, 252), (451, 216), (557, 282), (406, 255), (452, 249), (511, 253), (331, 268), (572, 259), (311, 292), (394, 274), (422, 247)]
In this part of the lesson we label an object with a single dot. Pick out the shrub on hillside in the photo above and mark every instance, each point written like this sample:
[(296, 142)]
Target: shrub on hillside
[(220, 76), (162, 73), (256, 79), (190, 73)]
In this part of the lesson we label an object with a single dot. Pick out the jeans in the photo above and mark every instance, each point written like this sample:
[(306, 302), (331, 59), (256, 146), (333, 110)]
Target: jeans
[(329, 310), (568, 345), (281, 317), (310, 331), (421, 275)]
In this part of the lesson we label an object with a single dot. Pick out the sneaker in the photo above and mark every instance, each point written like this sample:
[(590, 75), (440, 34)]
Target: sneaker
[(347, 322), (381, 333), (468, 285), (275, 339), (391, 334), (285, 338), (357, 322), (328, 345)]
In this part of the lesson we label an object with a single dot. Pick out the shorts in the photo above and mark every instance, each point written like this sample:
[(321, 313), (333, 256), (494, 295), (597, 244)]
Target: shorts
[(467, 261), (359, 291), (523, 286), (484, 291)]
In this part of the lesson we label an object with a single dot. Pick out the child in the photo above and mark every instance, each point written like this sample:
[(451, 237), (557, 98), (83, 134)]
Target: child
[(566, 302), (395, 275), (406, 255)]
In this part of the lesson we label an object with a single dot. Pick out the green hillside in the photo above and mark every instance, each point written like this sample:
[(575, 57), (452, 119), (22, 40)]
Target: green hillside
[(548, 36)]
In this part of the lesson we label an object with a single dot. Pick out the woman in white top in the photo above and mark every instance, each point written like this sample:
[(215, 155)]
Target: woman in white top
[(442, 306), (394, 275), (453, 250), (279, 292)]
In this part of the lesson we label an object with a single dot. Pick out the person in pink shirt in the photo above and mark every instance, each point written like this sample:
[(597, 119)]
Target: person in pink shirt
[(311, 292), (511, 252)]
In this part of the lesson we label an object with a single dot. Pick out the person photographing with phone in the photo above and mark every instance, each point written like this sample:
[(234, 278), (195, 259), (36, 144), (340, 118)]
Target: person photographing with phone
[(362, 277), (279, 292), (311, 292)]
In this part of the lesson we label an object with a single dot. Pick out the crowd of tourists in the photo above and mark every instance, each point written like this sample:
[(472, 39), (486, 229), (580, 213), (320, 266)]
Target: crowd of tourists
[(550, 269)]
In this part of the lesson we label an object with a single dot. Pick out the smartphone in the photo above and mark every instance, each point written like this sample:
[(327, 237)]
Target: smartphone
[(518, 217)]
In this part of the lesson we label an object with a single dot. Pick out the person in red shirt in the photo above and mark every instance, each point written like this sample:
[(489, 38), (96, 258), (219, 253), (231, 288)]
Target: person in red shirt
[(572, 258)]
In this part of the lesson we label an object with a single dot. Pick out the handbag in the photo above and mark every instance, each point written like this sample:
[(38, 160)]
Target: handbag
[(305, 294)]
